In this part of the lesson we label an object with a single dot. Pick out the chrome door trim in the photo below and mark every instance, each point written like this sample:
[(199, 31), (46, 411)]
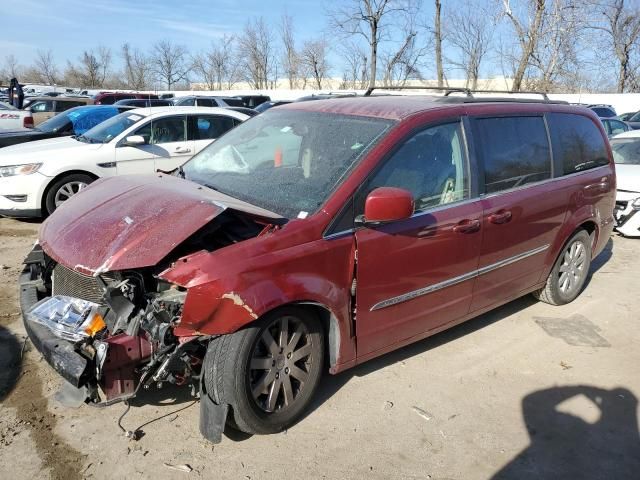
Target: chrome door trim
[(455, 280)]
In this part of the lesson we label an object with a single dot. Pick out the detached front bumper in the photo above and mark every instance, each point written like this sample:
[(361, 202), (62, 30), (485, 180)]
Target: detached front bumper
[(626, 215), (58, 353)]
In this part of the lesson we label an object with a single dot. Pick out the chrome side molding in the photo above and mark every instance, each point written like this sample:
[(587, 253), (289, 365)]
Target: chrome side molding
[(455, 280)]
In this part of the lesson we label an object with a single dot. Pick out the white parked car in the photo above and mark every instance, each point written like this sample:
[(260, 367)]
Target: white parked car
[(13, 119), (626, 154), (37, 177)]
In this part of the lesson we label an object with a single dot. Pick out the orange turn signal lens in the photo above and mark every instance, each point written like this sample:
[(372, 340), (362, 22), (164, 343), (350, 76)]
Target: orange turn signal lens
[(95, 325)]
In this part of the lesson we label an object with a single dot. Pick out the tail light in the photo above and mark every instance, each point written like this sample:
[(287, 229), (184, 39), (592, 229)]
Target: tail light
[(27, 122)]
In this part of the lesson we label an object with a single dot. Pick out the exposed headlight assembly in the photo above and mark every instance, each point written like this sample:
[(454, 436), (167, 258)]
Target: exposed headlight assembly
[(67, 317), (26, 169)]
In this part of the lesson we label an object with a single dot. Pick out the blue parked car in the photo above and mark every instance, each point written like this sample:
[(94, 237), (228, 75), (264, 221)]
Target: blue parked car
[(74, 121)]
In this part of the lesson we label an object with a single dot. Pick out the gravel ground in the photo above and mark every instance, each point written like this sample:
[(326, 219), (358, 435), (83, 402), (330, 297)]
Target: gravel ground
[(526, 391)]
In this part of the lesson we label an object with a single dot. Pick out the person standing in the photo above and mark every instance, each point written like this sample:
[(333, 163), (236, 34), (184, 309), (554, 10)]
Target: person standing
[(12, 90), (18, 99)]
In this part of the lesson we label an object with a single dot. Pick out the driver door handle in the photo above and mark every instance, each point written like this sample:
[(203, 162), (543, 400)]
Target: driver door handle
[(182, 150), (467, 226)]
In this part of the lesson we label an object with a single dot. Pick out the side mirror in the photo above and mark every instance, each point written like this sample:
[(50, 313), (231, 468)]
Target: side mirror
[(387, 204), (134, 141)]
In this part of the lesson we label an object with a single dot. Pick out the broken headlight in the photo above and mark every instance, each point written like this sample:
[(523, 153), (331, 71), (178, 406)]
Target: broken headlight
[(67, 317)]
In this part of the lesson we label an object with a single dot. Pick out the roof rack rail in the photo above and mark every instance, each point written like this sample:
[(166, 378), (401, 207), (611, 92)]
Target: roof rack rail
[(527, 92), (449, 90)]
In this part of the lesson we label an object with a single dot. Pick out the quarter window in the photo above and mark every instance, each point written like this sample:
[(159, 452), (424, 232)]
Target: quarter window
[(431, 165), (514, 151), (577, 143)]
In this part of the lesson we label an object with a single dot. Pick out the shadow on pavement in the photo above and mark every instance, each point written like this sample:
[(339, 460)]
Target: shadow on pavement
[(566, 445), (332, 383), (10, 362)]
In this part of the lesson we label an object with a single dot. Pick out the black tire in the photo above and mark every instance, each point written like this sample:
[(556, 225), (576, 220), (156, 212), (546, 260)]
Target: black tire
[(70, 181), (230, 375), (569, 274)]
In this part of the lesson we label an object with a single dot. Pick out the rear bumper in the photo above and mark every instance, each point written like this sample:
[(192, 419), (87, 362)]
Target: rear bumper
[(58, 353)]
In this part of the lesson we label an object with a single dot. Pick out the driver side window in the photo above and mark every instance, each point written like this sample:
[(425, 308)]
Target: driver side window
[(431, 165), (164, 130)]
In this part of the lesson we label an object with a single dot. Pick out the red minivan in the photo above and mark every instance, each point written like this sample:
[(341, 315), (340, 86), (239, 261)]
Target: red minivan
[(316, 236)]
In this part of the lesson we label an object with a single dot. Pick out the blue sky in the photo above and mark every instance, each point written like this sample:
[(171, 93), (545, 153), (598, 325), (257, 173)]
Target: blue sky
[(67, 27)]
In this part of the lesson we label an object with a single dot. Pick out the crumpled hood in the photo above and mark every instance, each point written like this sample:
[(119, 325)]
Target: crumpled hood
[(126, 222), (628, 177)]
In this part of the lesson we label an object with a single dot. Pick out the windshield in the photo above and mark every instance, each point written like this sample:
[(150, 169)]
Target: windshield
[(626, 151), (109, 129), (285, 161), (6, 106)]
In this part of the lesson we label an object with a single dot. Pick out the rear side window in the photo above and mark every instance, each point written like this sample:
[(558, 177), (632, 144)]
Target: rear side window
[(514, 151), (207, 127), (577, 143), (63, 106), (604, 112), (207, 102), (616, 127)]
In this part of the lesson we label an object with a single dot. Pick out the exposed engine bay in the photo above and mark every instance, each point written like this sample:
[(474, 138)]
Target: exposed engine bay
[(122, 323)]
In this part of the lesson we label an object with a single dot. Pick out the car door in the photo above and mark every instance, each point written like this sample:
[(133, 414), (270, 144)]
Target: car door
[(416, 275), (523, 210), (169, 137), (164, 140), (202, 129)]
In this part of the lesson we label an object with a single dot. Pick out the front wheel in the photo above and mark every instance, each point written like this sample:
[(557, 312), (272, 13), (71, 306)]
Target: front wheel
[(65, 188), (268, 372), (569, 273)]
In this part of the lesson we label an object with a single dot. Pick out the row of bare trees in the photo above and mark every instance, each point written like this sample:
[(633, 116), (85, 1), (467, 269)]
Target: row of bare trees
[(542, 45)]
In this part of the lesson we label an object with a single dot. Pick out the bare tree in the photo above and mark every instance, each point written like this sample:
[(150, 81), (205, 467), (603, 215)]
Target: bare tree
[(170, 63), (469, 31), (217, 66), (91, 69), (555, 56), (11, 68), (45, 67), (402, 64), (257, 50), (313, 60), (527, 30), (438, 39), (368, 19), (356, 61), (290, 57), (622, 28), (137, 68)]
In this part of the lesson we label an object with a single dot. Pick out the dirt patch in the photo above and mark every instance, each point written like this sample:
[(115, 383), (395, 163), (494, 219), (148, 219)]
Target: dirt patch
[(27, 396), (31, 411)]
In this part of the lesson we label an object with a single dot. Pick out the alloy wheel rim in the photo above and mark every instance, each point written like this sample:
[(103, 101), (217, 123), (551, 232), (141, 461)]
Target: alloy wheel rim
[(66, 191), (572, 270), (280, 364)]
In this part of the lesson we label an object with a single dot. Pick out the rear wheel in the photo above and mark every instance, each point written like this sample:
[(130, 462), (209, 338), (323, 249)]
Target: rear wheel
[(64, 188), (267, 372), (569, 273)]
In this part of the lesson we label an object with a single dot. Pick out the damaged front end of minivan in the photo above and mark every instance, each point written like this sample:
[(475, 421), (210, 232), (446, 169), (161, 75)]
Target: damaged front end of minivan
[(109, 322)]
